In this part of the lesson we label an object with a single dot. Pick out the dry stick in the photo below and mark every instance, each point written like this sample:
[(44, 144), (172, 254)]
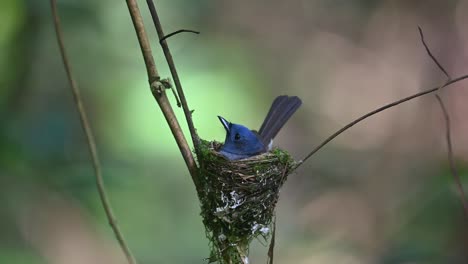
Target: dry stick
[(271, 248), (175, 76), (432, 56), (453, 168), (158, 92), (89, 138), (380, 109), (448, 137)]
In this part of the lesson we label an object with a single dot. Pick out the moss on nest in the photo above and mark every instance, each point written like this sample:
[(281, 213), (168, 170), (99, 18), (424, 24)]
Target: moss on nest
[(238, 198)]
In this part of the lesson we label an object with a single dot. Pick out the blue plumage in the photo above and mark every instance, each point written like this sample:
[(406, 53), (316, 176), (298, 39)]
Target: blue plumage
[(242, 142)]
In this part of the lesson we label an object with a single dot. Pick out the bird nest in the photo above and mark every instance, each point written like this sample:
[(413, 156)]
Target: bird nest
[(238, 198)]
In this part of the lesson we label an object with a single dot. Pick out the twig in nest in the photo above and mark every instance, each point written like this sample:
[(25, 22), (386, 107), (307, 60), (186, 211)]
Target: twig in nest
[(448, 137), (89, 138), (175, 75)]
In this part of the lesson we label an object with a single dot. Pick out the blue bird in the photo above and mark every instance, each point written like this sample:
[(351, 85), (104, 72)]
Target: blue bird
[(242, 142)]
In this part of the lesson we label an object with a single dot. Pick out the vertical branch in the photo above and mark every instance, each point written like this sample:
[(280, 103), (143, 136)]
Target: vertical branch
[(453, 168), (158, 90), (89, 138), (175, 76), (271, 248), (448, 136)]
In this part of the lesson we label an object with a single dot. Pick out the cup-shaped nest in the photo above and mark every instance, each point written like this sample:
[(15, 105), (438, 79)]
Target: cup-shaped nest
[(238, 198)]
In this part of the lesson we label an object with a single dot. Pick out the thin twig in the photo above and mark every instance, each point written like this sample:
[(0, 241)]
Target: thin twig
[(158, 91), (176, 97), (168, 85), (89, 138), (175, 76), (453, 168), (432, 56), (271, 248), (177, 32), (378, 110), (448, 137)]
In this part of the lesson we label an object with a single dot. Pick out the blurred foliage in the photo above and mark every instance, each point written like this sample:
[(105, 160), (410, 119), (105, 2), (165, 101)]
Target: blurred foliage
[(389, 201)]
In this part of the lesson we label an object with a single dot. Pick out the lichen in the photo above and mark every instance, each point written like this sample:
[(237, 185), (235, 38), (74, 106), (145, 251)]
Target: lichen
[(238, 198)]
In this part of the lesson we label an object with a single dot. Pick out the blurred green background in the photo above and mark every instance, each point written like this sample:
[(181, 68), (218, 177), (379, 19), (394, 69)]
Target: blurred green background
[(380, 193)]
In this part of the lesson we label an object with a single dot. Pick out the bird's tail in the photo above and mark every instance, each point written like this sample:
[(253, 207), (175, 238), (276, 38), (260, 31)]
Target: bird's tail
[(282, 108)]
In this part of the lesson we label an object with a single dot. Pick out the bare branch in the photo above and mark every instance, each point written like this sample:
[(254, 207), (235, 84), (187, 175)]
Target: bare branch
[(432, 56), (453, 168), (175, 96), (158, 91), (175, 76), (177, 32), (89, 138), (376, 111), (448, 138)]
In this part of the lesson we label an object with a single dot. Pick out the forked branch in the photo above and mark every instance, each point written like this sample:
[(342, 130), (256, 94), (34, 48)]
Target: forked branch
[(376, 111), (448, 137), (175, 75), (158, 90), (449, 82)]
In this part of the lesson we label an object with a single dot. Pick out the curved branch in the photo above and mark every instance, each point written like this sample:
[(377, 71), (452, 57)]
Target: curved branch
[(89, 138), (376, 111), (177, 32)]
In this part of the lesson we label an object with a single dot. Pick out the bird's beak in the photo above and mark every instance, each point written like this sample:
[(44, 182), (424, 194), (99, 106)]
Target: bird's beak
[(225, 123)]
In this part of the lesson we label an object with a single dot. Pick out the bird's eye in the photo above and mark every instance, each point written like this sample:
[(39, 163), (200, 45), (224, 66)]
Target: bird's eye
[(237, 136)]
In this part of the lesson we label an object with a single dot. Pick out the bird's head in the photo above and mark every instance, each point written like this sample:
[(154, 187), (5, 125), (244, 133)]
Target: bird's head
[(240, 140)]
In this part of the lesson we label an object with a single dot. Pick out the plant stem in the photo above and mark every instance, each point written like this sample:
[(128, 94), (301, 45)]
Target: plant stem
[(175, 75), (158, 91), (89, 138)]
